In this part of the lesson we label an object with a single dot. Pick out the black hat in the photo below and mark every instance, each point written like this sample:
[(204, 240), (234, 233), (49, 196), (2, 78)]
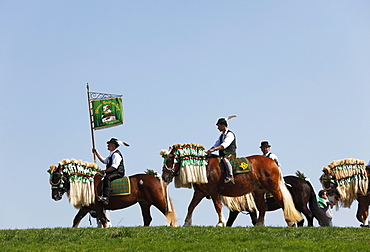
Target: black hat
[(265, 144), (113, 140), (222, 121)]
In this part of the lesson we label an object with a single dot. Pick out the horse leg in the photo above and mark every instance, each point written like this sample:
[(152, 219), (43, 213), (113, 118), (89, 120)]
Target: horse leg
[(218, 207), (145, 211), (197, 198), (308, 214), (253, 216), (79, 216), (259, 199), (232, 217), (105, 222), (362, 214)]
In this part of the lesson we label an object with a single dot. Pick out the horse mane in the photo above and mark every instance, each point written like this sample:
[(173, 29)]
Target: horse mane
[(192, 159), (241, 203), (351, 178)]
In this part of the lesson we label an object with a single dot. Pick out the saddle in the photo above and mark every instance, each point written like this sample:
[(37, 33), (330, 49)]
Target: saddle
[(119, 187), (239, 165)]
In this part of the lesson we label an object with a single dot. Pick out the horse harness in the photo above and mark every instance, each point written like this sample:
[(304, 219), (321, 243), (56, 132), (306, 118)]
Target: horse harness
[(171, 169), (62, 181)]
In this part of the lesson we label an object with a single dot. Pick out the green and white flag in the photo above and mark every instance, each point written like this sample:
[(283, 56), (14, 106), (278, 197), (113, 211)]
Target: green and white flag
[(107, 110)]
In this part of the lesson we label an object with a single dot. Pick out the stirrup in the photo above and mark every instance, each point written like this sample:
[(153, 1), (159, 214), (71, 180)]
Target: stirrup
[(105, 200), (229, 179)]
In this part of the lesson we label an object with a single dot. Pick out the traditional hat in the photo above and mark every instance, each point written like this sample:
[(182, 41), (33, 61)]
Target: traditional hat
[(223, 121), (113, 140), (116, 142), (265, 144)]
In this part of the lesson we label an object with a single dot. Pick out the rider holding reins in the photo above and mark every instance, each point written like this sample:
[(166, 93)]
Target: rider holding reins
[(226, 146)]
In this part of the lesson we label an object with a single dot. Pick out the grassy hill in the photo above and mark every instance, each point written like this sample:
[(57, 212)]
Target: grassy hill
[(187, 239)]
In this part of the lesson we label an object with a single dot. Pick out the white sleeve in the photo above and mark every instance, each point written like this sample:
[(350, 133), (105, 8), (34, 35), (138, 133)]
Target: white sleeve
[(217, 143)]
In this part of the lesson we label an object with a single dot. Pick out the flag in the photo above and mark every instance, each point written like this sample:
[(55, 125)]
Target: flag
[(107, 110)]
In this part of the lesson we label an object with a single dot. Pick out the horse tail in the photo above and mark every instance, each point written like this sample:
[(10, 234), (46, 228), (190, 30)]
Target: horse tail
[(290, 212), (317, 212), (171, 217)]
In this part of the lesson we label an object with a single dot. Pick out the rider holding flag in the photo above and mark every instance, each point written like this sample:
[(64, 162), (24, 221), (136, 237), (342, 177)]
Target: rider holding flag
[(114, 167)]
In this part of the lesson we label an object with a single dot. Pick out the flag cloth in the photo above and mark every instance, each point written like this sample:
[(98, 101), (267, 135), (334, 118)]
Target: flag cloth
[(107, 112)]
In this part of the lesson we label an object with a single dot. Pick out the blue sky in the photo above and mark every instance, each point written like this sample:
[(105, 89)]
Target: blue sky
[(295, 74)]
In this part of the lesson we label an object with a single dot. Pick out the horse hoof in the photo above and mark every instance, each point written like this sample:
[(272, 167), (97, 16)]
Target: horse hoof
[(187, 224), (366, 226), (220, 224)]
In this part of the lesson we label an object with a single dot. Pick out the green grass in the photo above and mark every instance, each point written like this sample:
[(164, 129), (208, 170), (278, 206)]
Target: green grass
[(187, 239)]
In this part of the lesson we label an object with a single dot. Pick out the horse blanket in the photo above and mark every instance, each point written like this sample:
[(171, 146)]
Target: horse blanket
[(240, 165), (120, 187)]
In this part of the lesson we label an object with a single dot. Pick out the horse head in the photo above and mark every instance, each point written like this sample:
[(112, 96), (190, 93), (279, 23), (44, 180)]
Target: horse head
[(330, 186), (170, 167), (59, 182)]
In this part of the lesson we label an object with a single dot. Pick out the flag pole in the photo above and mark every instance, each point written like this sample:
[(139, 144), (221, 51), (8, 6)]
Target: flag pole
[(91, 120)]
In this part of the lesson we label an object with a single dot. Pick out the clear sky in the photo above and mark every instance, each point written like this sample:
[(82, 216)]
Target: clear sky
[(295, 74)]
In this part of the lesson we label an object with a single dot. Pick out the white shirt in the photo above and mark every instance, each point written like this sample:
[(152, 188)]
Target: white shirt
[(273, 157), (226, 139), (116, 159)]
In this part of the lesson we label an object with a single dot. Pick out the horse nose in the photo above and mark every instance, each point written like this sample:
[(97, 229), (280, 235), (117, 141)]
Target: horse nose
[(55, 196), (167, 179)]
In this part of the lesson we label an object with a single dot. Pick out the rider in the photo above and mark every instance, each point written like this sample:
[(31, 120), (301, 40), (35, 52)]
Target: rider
[(265, 148), (226, 146), (114, 167)]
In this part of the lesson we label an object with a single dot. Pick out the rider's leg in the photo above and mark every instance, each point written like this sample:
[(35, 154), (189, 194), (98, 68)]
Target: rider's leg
[(229, 171)]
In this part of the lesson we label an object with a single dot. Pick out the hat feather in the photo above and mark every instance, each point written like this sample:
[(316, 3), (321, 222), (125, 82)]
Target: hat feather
[(230, 117)]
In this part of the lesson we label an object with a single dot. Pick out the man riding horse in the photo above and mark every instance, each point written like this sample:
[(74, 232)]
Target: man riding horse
[(115, 168), (226, 146)]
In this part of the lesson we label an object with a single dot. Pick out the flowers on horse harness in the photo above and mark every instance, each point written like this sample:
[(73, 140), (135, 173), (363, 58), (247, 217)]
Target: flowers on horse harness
[(77, 170), (153, 173)]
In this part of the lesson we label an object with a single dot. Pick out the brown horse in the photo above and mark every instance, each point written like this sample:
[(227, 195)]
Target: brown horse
[(303, 193), (332, 183), (146, 190), (264, 176)]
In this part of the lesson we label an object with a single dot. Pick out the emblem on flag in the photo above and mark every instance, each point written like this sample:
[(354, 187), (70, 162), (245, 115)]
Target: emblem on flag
[(107, 110)]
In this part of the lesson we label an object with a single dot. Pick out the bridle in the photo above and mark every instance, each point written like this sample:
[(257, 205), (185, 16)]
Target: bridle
[(174, 162), (62, 185), (329, 185)]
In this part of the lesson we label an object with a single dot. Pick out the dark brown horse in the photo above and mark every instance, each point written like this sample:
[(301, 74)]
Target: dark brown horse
[(146, 190), (264, 176), (302, 193), (330, 184)]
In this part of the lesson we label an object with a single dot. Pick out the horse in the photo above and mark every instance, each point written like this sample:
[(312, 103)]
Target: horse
[(347, 180), (146, 190), (264, 176), (302, 193)]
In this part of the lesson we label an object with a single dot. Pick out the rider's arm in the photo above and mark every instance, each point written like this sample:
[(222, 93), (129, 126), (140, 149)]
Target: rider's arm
[(100, 157)]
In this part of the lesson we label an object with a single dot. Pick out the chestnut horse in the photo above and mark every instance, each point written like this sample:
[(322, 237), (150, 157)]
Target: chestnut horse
[(303, 193), (330, 184), (146, 190), (264, 176)]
